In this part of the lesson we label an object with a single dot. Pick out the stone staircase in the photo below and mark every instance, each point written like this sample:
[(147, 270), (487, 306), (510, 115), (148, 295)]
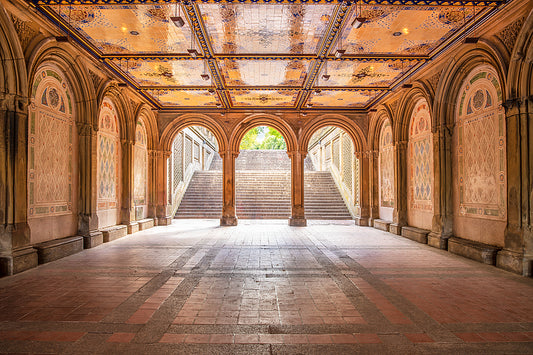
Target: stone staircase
[(263, 181)]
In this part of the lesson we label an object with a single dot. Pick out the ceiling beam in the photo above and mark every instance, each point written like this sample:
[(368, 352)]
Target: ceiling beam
[(305, 2)]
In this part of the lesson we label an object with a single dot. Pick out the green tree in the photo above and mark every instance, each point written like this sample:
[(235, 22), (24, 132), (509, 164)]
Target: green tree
[(263, 138)]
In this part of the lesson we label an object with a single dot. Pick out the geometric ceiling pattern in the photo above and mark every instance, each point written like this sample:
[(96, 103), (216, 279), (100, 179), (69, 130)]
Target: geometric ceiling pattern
[(324, 55)]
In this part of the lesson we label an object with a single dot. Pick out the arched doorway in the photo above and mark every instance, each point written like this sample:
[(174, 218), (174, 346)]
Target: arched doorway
[(263, 175), (331, 176)]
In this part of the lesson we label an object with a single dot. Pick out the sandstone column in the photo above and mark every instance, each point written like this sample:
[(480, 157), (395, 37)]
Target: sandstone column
[(297, 218), (127, 207), (364, 188), (229, 217), (152, 184), (373, 181), (442, 223), (88, 219), (16, 253), (517, 255), (400, 188), (162, 203)]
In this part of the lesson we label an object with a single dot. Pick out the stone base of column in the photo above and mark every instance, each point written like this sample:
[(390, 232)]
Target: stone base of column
[(21, 259), (511, 261), (164, 221), (228, 221), (133, 227), (94, 239), (437, 240), (297, 222), (362, 221), (395, 228)]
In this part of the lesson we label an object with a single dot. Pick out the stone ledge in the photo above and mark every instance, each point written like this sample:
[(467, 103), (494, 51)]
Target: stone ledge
[(297, 222), (58, 248), (133, 227), (416, 234), (146, 223), (113, 233), (164, 221), (382, 224), (20, 260), (481, 252), (94, 239), (395, 228), (361, 221), (510, 261), (438, 240)]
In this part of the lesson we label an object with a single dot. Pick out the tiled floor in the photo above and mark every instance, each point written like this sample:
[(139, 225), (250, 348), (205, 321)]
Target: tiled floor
[(262, 288)]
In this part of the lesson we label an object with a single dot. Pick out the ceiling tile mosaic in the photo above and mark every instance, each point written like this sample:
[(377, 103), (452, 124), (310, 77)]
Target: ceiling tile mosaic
[(402, 30), (264, 72), (184, 98), (263, 54), (263, 98), (121, 29), (363, 74), (157, 72), (341, 98), (266, 28)]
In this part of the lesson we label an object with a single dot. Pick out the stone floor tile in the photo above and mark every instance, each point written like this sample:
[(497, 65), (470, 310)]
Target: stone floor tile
[(120, 338)]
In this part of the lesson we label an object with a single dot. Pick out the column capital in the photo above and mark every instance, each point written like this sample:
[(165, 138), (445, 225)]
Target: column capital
[(231, 153), (85, 129), (292, 153), (401, 145)]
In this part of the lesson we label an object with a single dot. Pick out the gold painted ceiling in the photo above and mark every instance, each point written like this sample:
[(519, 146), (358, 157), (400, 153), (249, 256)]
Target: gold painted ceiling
[(262, 54)]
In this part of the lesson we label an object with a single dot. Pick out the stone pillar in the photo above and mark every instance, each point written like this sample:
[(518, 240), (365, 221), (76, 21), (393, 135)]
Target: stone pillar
[(442, 224), (87, 217), (16, 253), (373, 184), (297, 218), (152, 184), (517, 254), (364, 188), (162, 204), (400, 188), (127, 206), (229, 217)]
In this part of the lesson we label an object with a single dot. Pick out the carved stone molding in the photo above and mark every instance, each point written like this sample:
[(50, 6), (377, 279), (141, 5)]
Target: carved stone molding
[(95, 79), (84, 129), (434, 80), (25, 31), (510, 33)]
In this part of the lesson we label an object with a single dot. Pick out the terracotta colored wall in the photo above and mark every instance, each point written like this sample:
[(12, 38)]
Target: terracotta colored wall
[(140, 169), (479, 176), (386, 173), (52, 157), (420, 168), (108, 166)]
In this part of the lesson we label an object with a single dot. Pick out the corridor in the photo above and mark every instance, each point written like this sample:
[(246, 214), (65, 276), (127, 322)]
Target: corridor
[(263, 287)]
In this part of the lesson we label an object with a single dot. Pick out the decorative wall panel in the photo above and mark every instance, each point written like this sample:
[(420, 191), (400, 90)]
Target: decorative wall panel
[(50, 150), (177, 153), (386, 166), (420, 159), (480, 147), (347, 165), (108, 156), (140, 166)]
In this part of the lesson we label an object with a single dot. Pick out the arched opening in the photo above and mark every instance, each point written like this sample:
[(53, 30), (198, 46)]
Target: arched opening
[(195, 174), (263, 175), (331, 176), (386, 172), (52, 156)]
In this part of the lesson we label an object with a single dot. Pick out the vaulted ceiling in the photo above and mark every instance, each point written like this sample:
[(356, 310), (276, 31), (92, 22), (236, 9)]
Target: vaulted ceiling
[(262, 54)]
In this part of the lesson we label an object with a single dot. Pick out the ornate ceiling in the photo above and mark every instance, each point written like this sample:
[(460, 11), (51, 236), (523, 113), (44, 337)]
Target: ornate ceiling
[(265, 54)]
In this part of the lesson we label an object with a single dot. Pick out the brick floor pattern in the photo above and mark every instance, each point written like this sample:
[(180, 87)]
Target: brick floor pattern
[(265, 288)]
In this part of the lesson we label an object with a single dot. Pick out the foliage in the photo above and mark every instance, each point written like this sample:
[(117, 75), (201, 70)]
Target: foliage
[(263, 138)]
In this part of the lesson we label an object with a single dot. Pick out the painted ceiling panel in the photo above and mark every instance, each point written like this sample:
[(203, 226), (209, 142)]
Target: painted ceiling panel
[(341, 98), (184, 98), (402, 30), (264, 72), (263, 98), (266, 28), (119, 29), (157, 72), (364, 74)]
